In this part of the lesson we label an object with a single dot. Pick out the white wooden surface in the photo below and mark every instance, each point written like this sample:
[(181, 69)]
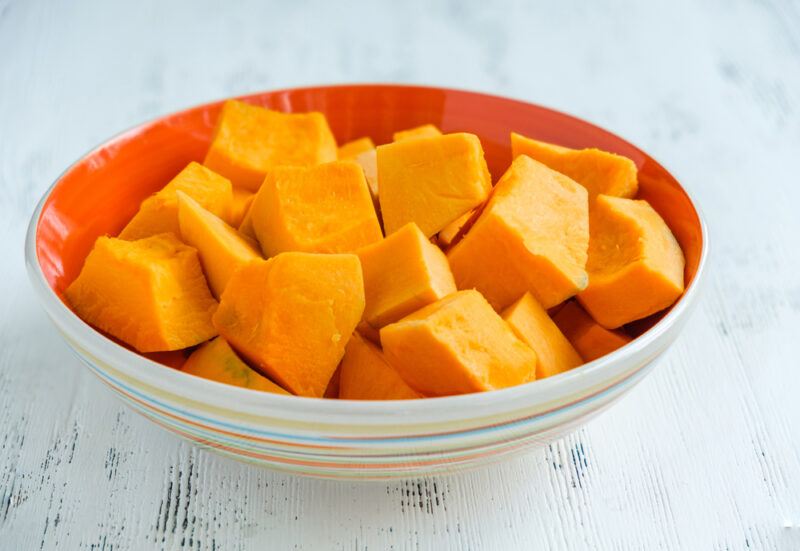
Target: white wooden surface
[(705, 454)]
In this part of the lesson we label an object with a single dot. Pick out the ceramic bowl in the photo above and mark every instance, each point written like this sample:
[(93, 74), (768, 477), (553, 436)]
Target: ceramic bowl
[(332, 438)]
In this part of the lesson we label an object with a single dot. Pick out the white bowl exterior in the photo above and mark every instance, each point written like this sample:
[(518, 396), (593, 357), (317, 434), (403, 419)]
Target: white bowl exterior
[(403, 445)]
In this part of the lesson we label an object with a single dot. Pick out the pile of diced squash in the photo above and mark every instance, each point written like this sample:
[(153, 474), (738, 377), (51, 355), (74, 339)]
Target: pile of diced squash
[(286, 264)]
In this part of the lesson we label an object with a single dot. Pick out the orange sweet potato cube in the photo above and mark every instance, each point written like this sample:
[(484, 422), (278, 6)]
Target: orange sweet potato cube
[(362, 151), (431, 181), (532, 236), (600, 172), (530, 322), (159, 212), (246, 226), (242, 199), (366, 375), (403, 273), (221, 248), (368, 160), (250, 140), (216, 360), (149, 293), (457, 345), (423, 131), (456, 229), (369, 332), (589, 338), (326, 208), (291, 316), (635, 263), (351, 149), (332, 390)]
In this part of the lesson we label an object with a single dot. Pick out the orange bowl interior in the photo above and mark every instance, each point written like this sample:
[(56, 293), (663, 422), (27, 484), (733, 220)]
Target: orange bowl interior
[(102, 191)]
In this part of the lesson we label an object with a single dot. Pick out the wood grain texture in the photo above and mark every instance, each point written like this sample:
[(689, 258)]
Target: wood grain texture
[(704, 454)]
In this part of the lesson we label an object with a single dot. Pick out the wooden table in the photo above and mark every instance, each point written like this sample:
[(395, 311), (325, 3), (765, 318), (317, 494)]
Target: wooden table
[(705, 454)]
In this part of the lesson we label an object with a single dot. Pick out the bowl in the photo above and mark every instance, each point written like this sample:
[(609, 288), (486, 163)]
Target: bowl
[(342, 438)]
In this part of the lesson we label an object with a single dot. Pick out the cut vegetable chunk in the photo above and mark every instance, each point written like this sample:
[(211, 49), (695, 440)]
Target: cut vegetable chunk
[(159, 212), (457, 345), (291, 316), (531, 323), (217, 361), (532, 236), (368, 161), (149, 293), (351, 149), (242, 199), (456, 229), (246, 227), (250, 140), (600, 172), (369, 332), (424, 131), (431, 181), (222, 249), (403, 273), (332, 390), (326, 209), (589, 338), (635, 263), (366, 375)]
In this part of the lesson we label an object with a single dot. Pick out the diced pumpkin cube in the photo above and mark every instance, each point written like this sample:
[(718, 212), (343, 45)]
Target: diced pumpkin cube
[(326, 208), (369, 332), (431, 181), (217, 361), (242, 199), (351, 149), (366, 375), (457, 345), (424, 131), (250, 140), (222, 249), (246, 227), (455, 230), (159, 212), (149, 293), (589, 338), (332, 390), (600, 172), (635, 263), (290, 316), (532, 236), (530, 322), (368, 160), (403, 273)]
